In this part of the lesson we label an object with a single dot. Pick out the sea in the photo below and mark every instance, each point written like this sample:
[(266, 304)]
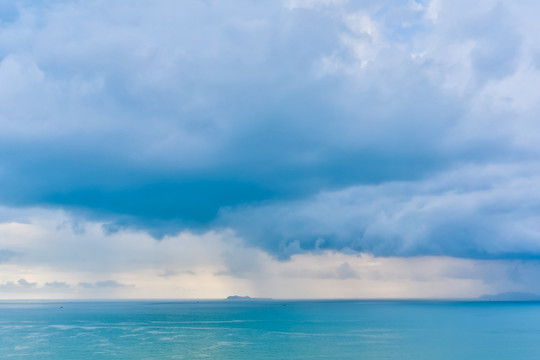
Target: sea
[(269, 329)]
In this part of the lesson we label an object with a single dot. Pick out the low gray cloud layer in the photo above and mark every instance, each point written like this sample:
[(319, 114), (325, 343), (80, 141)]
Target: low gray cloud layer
[(481, 212), (23, 285)]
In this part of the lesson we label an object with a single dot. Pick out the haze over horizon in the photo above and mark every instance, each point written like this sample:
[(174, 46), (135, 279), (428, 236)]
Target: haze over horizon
[(284, 149)]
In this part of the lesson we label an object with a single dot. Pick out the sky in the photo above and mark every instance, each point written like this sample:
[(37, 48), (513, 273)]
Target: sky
[(285, 149)]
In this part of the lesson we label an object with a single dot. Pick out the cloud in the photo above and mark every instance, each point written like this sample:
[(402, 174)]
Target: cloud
[(299, 126), (25, 283), (57, 285), (61, 262), (109, 284), (343, 271), (172, 273), (471, 212), (312, 4), (21, 284), (6, 255), (55, 288)]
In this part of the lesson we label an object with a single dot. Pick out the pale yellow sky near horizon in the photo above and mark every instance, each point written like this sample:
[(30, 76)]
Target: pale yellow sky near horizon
[(55, 257)]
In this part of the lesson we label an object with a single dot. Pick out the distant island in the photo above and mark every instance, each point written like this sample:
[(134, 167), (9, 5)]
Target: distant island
[(244, 298), (511, 296)]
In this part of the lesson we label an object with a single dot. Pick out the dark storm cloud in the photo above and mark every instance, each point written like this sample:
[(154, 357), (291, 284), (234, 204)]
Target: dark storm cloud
[(172, 115)]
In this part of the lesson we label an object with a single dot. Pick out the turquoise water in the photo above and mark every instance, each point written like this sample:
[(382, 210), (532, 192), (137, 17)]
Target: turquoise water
[(269, 330)]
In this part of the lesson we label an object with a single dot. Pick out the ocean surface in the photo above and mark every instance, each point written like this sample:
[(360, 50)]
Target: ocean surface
[(269, 330)]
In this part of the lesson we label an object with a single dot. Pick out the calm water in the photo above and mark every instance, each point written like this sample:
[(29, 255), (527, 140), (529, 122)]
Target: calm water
[(269, 330)]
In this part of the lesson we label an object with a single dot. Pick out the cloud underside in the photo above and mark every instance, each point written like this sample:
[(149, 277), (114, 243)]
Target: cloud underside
[(66, 261), (394, 129)]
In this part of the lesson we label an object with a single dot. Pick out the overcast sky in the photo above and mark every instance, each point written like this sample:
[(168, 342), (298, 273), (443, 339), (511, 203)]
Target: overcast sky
[(296, 148)]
